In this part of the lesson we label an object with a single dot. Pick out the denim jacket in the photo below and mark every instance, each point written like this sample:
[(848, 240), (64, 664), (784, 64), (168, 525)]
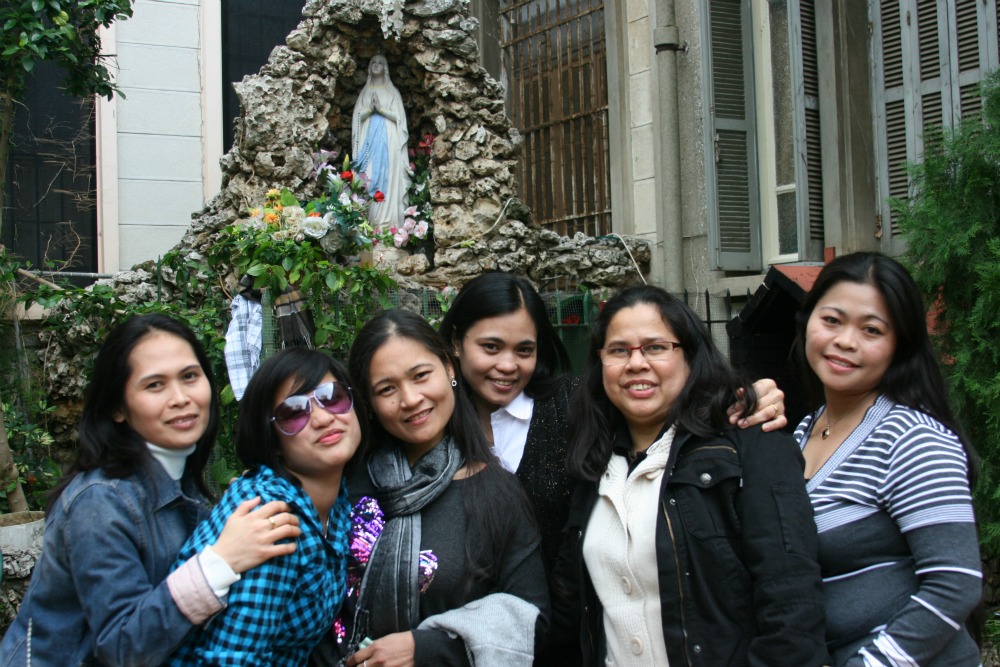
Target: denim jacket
[(98, 594)]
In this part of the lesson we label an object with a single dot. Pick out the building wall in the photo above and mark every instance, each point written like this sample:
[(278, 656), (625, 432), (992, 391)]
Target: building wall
[(151, 145)]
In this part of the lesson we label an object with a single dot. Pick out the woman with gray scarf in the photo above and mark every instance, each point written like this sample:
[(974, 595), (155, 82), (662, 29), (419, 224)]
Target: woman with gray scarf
[(446, 567)]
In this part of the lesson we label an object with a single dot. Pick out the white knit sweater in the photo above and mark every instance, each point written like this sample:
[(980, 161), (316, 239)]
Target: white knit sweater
[(620, 552)]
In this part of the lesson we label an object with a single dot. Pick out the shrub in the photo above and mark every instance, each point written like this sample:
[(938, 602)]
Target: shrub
[(952, 227)]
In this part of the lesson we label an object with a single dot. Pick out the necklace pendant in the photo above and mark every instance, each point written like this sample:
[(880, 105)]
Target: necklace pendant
[(825, 433)]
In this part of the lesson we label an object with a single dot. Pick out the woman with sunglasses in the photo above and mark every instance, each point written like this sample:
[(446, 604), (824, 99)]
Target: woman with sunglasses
[(689, 541), (445, 554), (102, 591), (296, 432)]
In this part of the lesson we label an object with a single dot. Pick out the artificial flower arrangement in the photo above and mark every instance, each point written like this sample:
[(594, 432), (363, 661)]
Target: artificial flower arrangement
[(315, 247), (415, 233)]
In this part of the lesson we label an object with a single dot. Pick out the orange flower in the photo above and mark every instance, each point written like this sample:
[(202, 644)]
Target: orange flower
[(270, 217)]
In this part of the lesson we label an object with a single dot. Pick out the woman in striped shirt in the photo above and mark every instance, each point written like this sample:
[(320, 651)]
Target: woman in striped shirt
[(888, 473)]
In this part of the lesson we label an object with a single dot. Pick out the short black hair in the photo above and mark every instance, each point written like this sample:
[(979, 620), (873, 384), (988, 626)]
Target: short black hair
[(257, 439)]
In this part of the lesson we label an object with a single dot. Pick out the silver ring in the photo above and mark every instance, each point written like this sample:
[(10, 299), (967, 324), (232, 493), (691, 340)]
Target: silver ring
[(365, 663), (271, 520)]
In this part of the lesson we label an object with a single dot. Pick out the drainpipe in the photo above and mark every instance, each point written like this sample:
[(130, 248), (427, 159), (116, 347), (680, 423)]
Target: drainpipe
[(667, 41)]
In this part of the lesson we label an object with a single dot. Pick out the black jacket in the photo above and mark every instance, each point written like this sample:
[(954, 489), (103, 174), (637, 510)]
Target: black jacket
[(736, 552)]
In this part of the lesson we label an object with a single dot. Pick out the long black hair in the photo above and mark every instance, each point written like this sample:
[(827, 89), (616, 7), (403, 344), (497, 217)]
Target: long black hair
[(489, 523), (499, 293), (914, 376), (111, 445), (257, 440), (700, 408)]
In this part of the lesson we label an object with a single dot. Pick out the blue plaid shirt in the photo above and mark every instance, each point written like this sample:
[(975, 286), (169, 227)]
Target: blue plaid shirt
[(278, 611)]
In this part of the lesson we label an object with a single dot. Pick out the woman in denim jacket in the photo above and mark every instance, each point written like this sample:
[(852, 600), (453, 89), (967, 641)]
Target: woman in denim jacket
[(100, 593), (689, 541)]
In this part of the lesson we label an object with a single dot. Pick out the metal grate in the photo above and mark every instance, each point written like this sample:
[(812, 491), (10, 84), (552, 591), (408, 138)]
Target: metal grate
[(555, 65), (50, 213)]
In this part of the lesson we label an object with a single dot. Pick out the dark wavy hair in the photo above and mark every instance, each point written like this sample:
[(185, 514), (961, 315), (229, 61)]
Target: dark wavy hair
[(257, 439), (701, 407), (489, 524), (914, 377), (499, 293), (113, 446)]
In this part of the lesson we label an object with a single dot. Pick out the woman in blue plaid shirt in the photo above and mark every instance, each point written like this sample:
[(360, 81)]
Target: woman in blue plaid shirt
[(298, 428)]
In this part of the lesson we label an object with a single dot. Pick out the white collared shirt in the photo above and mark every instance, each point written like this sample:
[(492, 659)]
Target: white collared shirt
[(510, 430)]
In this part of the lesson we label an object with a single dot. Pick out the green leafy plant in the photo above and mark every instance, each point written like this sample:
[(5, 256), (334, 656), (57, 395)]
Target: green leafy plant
[(34, 456), (952, 228)]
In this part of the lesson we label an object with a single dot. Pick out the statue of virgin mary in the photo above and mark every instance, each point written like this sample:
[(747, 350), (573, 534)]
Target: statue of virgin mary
[(378, 138)]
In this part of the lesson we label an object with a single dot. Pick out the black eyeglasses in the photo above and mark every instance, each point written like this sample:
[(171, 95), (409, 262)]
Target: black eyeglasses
[(616, 355), (292, 414)]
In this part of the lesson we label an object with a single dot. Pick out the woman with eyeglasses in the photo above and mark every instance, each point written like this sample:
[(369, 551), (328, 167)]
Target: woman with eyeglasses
[(297, 430), (516, 371), (689, 541), (102, 591), (446, 565)]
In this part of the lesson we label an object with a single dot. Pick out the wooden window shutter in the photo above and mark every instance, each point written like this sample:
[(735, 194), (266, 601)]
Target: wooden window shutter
[(812, 235), (734, 218)]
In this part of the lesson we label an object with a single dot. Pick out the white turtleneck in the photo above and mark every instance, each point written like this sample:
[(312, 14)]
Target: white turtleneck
[(217, 571), (172, 460)]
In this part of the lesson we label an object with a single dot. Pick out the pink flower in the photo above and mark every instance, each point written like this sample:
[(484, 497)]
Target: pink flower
[(408, 224), (400, 238), (420, 231), (413, 153), (411, 212)]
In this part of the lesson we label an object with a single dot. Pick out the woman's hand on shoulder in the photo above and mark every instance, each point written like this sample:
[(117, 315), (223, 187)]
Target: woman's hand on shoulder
[(770, 408), (395, 650), (250, 538)]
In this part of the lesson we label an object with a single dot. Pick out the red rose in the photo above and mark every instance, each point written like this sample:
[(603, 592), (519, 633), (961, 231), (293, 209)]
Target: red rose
[(378, 196), (347, 176)]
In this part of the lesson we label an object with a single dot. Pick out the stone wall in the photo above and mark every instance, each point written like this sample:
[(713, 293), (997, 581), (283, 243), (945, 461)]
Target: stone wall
[(302, 99)]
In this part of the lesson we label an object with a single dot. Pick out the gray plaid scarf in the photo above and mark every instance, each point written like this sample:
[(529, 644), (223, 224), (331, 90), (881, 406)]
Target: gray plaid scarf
[(389, 600)]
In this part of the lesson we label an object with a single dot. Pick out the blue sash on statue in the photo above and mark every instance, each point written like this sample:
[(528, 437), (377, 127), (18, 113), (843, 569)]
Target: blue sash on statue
[(375, 152)]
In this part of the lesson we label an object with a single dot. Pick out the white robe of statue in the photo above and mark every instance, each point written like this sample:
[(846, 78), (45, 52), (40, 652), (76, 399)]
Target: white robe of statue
[(379, 144)]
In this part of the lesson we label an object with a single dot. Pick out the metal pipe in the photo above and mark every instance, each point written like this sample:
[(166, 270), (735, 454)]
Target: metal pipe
[(666, 39)]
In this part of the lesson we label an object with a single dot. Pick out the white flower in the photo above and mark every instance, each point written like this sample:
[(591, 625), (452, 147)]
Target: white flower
[(420, 231), (294, 215), (400, 238), (345, 198), (315, 227)]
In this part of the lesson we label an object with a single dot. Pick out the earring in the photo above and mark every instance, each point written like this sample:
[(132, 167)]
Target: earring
[(454, 382)]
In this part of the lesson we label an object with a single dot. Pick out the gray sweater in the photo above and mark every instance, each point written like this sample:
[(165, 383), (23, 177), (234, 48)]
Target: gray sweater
[(897, 542)]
